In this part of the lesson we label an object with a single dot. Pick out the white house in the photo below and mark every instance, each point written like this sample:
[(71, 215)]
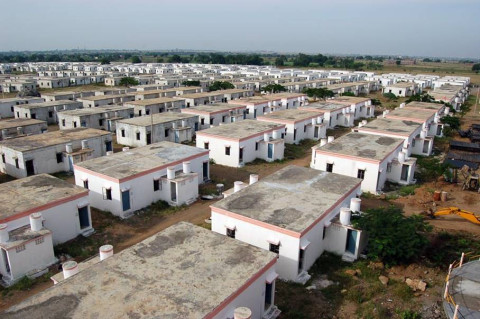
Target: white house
[(217, 113), (195, 99), (241, 142), (66, 95), (45, 111), (158, 105), (64, 207), (11, 128), (52, 152), (101, 118), (110, 99), (145, 130), (403, 89), (436, 126), (361, 107), (299, 124), (292, 213), (7, 105), (334, 114), (267, 103), (233, 275), (375, 159), (125, 182)]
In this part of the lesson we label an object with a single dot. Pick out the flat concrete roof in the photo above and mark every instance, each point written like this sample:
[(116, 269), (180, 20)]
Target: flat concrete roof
[(464, 287), (22, 235), (32, 192), (394, 126), (106, 97), (48, 104), (15, 99), (412, 113), (184, 271), (213, 108), (349, 100), (11, 123), (425, 105), (326, 106), (32, 142), (212, 93), (95, 110), (155, 101), (362, 145), (241, 129), (292, 198), (401, 84), (157, 118), (141, 159), (294, 115)]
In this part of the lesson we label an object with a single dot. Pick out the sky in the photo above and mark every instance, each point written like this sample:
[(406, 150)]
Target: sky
[(438, 28)]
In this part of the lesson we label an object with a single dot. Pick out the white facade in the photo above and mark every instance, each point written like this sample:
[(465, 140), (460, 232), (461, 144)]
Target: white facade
[(7, 105), (101, 118), (216, 114)]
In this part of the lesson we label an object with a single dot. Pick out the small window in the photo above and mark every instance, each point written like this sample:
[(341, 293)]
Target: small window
[(389, 167), (147, 112), (205, 146), (211, 120), (33, 116), (227, 150), (74, 124), (361, 173), (3, 158), (231, 233), (156, 185), (50, 114), (100, 122), (107, 193), (256, 146), (122, 132), (138, 136), (60, 157), (304, 129), (19, 248), (16, 163), (166, 132), (39, 241), (324, 232), (63, 123), (329, 167), (85, 184), (413, 143), (275, 248), (202, 121)]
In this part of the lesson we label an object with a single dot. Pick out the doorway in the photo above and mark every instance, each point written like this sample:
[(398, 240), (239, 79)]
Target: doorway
[(301, 259), (29, 167), (126, 200), (270, 151), (205, 171), (240, 156), (149, 138), (173, 191), (351, 241), (268, 295), (83, 217), (404, 174)]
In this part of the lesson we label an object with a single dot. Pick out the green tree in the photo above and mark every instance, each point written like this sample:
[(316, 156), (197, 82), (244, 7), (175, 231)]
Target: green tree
[(136, 59), (174, 59), (392, 237), (159, 60), (476, 67), (390, 96), (398, 62), (274, 88), (280, 61), (105, 61), (320, 93), (191, 83), (452, 121), (348, 94), (220, 85), (128, 81)]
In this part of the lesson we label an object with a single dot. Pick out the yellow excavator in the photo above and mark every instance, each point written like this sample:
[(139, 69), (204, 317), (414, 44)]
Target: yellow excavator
[(471, 217)]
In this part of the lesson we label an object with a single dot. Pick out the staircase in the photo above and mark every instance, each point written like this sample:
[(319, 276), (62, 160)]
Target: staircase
[(272, 313), (303, 277)]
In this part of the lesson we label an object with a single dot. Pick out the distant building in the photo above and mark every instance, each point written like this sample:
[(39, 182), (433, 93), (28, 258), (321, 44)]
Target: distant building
[(45, 111), (101, 118), (11, 128), (216, 114)]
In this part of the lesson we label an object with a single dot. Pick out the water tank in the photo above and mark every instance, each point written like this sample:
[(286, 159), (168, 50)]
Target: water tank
[(184, 123), (69, 148), (84, 144), (238, 185), (323, 141), (401, 157), (402, 105), (345, 214), (174, 125), (105, 252), (253, 178), (423, 134), (36, 221), (276, 135), (4, 237), (319, 120), (447, 111), (266, 137), (330, 139), (314, 121), (125, 149), (355, 204), (186, 168), (70, 268), (19, 130), (242, 313), (170, 172)]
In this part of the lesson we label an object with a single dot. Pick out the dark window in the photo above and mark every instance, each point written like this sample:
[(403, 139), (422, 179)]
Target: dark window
[(202, 121), (63, 122), (3, 158), (100, 122), (205, 146), (33, 116), (156, 185), (329, 167), (227, 150), (304, 128), (211, 121), (122, 131), (275, 248), (138, 136), (16, 163), (256, 146), (107, 193), (50, 114), (231, 233), (74, 124), (59, 157), (85, 184), (166, 132), (361, 174)]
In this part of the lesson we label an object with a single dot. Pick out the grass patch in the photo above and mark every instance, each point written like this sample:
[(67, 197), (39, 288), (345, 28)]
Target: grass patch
[(401, 290), (24, 284), (408, 190), (446, 247), (300, 150)]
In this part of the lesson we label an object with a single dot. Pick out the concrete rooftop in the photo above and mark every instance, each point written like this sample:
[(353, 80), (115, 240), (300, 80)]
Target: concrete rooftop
[(294, 115), (28, 193), (124, 164), (157, 118), (291, 198), (349, 100), (362, 145), (412, 113), (48, 104), (241, 129), (10, 123), (184, 271), (213, 108), (323, 107), (32, 142), (425, 105), (95, 110), (155, 101), (393, 126)]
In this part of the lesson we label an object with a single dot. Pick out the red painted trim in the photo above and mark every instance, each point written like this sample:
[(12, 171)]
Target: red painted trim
[(44, 207), (197, 112), (362, 129), (204, 134), (244, 287), (265, 118), (249, 220), (118, 181)]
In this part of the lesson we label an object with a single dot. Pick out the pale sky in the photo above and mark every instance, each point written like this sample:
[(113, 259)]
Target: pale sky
[(390, 27)]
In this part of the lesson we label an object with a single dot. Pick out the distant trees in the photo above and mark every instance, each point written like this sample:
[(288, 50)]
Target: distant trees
[(175, 59), (136, 59), (348, 94), (398, 62), (128, 81), (476, 67), (280, 61), (191, 83), (220, 85), (274, 88), (104, 61), (318, 93)]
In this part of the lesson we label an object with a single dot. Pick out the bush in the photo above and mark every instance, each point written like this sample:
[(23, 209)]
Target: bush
[(452, 121), (220, 85), (390, 96), (408, 190), (392, 237), (430, 168)]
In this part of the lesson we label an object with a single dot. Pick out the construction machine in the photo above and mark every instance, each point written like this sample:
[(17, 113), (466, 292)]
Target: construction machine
[(471, 217), (470, 179)]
